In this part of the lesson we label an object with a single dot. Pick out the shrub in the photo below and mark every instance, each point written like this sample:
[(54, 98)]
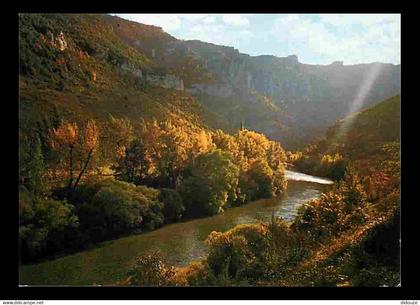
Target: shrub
[(44, 225), (149, 270), (259, 180), (114, 207), (209, 184), (354, 194), (321, 217), (228, 255), (173, 207), (31, 164), (195, 274), (375, 260), (238, 253)]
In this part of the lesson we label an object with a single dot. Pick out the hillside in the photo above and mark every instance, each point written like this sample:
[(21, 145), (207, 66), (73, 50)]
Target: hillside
[(304, 99), (108, 59), (372, 134), (124, 129), (363, 133), (90, 72)]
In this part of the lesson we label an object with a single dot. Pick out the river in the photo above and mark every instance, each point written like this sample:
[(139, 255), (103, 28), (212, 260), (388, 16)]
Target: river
[(178, 243)]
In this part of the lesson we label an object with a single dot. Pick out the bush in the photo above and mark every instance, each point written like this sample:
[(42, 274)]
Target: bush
[(228, 255), (258, 181), (44, 225), (149, 270), (375, 260), (209, 184), (323, 217), (237, 254), (173, 207), (352, 188), (195, 274), (114, 207)]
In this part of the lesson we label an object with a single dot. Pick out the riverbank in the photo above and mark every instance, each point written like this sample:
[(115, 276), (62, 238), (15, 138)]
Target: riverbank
[(178, 243)]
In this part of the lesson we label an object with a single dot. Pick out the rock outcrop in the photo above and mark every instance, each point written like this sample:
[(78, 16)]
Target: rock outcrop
[(311, 97), (61, 42), (167, 81), (128, 67)]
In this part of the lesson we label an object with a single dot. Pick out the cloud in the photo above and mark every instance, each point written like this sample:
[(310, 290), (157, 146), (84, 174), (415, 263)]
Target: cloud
[(235, 19), (362, 19), (209, 20), (194, 17), (354, 39), (315, 38)]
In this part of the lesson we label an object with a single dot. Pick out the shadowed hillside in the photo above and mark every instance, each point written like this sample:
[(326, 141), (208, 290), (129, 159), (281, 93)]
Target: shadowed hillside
[(89, 72), (112, 62), (373, 133)]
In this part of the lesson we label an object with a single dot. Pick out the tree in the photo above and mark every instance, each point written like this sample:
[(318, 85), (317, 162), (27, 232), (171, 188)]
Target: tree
[(260, 181), (135, 164), (112, 207), (116, 137), (149, 270), (275, 155), (90, 143), (76, 148), (201, 143), (174, 145), (43, 224), (31, 164), (352, 188), (173, 206), (209, 184), (253, 145), (228, 144), (238, 253), (169, 148)]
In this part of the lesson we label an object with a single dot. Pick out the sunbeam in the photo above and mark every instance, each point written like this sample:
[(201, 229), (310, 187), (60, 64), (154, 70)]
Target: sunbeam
[(359, 101)]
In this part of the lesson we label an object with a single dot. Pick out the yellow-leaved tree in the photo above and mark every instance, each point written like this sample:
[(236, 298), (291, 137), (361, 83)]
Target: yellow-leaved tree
[(76, 148)]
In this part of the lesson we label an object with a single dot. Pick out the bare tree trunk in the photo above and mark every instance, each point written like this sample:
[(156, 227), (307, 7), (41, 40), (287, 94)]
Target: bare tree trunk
[(83, 169), (71, 167)]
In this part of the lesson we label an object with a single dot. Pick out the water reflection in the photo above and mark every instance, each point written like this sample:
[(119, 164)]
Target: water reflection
[(178, 243)]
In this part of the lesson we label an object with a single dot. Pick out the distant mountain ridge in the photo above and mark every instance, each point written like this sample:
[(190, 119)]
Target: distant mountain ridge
[(305, 98), (286, 100)]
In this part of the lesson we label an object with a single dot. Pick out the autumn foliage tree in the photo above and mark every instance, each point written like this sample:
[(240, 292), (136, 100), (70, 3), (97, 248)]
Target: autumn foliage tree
[(261, 164), (134, 164), (116, 136), (209, 184), (76, 149)]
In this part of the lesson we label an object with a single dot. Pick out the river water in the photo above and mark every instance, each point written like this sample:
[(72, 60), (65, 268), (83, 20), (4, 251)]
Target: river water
[(178, 243)]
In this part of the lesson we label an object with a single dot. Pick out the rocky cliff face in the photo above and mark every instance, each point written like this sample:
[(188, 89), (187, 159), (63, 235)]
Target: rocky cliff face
[(305, 98), (165, 81), (310, 97)]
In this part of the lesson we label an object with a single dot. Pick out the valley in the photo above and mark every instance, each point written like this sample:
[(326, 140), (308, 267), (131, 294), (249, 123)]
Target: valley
[(148, 160)]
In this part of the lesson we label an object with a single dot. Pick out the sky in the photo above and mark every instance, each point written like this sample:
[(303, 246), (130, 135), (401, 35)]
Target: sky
[(314, 38)]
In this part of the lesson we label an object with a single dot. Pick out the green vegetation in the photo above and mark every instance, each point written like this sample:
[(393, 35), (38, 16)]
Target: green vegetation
[(174, 208), (117, 207), (334, 241), (209, 184), (45, 225), (135, 183), (348, 237), (86, 118), (361, 136), (103, 153)]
